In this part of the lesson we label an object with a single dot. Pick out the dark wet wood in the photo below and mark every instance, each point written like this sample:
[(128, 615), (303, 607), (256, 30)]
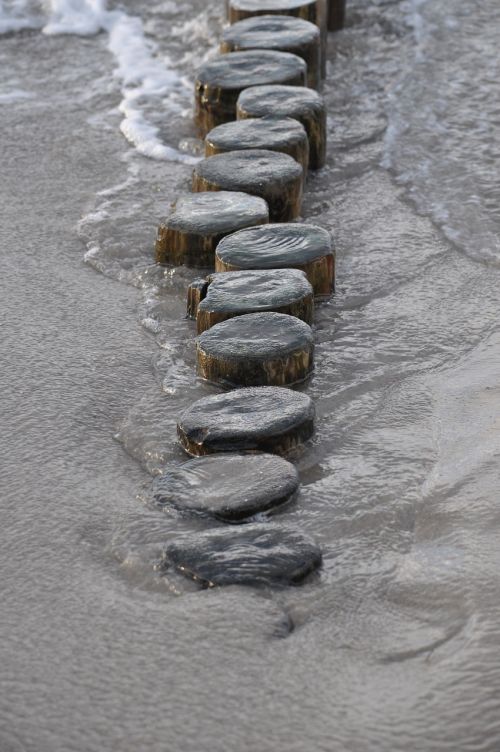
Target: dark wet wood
[(260, 554), (258, 349), (277, 32), (267, 418), (273, 176), (229, 487), (197, 290), (220, 81), (336, 14), (256, 291), (279, 246), (198, 222), (285, 135), (303, 104)]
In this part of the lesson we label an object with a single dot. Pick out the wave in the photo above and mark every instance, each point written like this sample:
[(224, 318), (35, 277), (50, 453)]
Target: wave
[(143, 74)]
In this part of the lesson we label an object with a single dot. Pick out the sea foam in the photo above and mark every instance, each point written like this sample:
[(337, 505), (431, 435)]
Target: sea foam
[(139, 68)]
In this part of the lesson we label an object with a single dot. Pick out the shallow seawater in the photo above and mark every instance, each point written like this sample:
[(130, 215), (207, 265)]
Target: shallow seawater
[(394, 645)]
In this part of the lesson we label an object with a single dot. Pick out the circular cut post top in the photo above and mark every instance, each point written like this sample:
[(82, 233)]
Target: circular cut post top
[(255, 290), (279, 101), (248, 168), (216, 213), (229, 487), (268, 6), (257, 336), (270, 32), (267, 418), (273, 32), (260, 554), (251, 68), (285, 135), (274, 176), (275, 246)]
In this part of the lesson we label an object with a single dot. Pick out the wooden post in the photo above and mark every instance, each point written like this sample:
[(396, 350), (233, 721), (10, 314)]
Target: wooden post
[(281, 246), (220, 81), (314, 11), (262, 554), (336, 14), (283, 33), (230, 487), (198, 222), (285, 135), (303, 104), (258, 349), (266, 418), (273, 176), (238, 293)]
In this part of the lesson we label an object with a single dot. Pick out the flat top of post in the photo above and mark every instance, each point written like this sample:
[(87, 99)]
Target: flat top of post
[(250, 68), (262, 5)]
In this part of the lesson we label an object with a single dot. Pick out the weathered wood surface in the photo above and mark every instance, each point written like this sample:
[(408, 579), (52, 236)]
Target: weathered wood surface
[(258, 349), (283, 33), (336, 14), (285, 135), (197, 222), (271, 175), (220, 81), (280, 246), (301, 103), (255, 291), (267, 418), (229, 487), (259, 554)]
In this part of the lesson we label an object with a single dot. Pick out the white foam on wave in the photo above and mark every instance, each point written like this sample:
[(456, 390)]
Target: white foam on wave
[(140, 70), (16, 15)]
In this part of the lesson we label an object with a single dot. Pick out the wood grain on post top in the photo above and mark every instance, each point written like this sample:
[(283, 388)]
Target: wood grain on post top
[(285, 135), (273, 176), (301, 103), (197, 222), (220, 81), (274, 32), (281, 246)]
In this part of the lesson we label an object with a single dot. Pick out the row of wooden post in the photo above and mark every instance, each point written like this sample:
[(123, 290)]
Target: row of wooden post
[(253, 318)]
